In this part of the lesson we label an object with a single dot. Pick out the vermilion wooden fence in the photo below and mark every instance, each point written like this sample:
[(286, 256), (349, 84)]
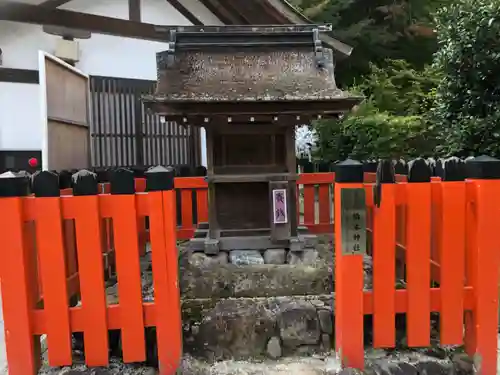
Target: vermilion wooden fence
[(315, 187), (27, 253), (54, 243), (455, 220)]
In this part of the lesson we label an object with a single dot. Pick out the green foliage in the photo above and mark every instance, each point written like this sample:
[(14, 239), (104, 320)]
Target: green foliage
[(378, 30), (391, 123), (468, 97), (399, 89)]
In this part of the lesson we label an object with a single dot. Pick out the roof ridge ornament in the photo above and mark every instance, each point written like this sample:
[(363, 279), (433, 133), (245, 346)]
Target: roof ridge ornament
[(260, 37)]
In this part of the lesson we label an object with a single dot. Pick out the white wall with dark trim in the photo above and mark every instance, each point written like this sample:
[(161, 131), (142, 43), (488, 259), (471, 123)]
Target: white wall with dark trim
[(102, 55)]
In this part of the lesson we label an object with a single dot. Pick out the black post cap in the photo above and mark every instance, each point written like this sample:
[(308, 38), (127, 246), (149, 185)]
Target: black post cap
[(102, 175), (453, 170), (370, 166), (439, 168), (419, 171), (201, 171), (13, 185), (138, 171), (184, 170), (45, 184), (84, 183), (483, 168), (386, 173), (160, 178), (122, 181), (64, 179), (323, 167), (349, 171), (401, 167), (308, 167)]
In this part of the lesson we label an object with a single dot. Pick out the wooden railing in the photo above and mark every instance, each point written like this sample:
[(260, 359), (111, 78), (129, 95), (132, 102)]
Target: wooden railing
[(54, 241), (39, 250), (450, 223)]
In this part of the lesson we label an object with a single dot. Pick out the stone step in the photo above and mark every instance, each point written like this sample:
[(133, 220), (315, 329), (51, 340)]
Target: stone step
[(204, 276)]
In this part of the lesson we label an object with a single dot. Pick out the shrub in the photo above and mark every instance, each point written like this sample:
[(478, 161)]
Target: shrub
[(468, 97)]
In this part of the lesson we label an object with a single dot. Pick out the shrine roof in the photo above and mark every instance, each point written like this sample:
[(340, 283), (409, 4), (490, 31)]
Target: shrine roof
[(266, 69)]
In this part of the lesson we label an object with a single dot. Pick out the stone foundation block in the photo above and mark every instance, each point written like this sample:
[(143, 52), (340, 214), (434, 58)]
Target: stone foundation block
[(275, 256), (243, 328), (245, 257)]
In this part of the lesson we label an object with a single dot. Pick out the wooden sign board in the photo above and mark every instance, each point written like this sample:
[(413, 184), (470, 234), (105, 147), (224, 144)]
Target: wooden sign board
[(353, 221), (279, 206)]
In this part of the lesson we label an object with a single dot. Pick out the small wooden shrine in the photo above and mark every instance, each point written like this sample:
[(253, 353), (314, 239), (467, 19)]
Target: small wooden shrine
[(249, 86)]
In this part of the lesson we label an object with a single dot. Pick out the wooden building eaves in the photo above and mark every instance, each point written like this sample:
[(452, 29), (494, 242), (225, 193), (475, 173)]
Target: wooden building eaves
[(262, 12), (185, 12), (230, 12), (294, 16)]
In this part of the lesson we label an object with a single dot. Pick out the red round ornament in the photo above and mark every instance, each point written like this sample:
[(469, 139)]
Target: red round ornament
[(33, 162)]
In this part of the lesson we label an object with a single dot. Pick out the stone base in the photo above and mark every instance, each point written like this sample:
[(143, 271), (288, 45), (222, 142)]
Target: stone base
[(202, 243), (243, 328), (251, 273)]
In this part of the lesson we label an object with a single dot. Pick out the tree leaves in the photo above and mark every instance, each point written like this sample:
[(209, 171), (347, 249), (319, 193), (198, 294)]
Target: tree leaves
[(468, 97), (392, 123)]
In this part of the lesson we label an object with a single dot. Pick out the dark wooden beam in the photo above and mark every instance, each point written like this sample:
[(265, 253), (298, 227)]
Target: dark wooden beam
[(53, 3), (19, 75), (34, 14), (235, 13), (134, 10), (185, 12), (222, 14)]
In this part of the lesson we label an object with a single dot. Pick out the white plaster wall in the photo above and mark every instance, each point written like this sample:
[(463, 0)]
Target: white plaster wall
[(103, 55)]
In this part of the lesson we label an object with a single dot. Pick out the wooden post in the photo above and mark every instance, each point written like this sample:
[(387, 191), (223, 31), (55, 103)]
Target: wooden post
[(51, 254), (484, 172), (350, 237), (451, 247), (23, 350), (88, 225), (384, 254), (160, 186), (418, 234), (126, 241)]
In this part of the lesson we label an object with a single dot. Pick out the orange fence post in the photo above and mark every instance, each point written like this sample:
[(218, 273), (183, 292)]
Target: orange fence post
[(50, 245), (126, 240), (160, 185), (485, 175), (185, 186), (470, 262), (418, 233), (350, 239), (384, 255), (21, 346), (85, 205), (451, 227)]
